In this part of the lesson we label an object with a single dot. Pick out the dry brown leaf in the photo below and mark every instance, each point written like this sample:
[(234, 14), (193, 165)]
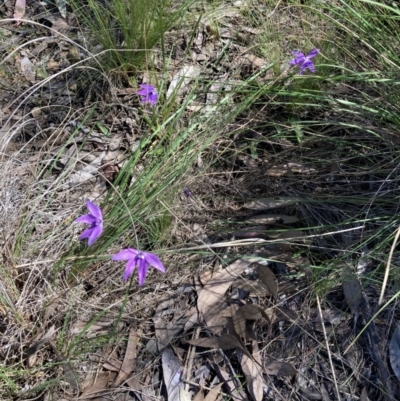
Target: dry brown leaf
[(112, 364), (268, 278), (352, 289), (364, 395), (265, 204), (134, 384), (28, 69), (394, 351), (252, 287), (199, 396), (172, 372), (78, 327), (231, 382), (129, 359), (69, 374), (165, 332), (211, 299), (245, 312), (278, 368), (273, 218), (309, 394), (30, 353), (224, 342), (257, 61), (214, 393), (193, 319), (251, 367), (205, 276), (279, 314), (19, 9), (99, 386), (251, 232), (182, 78), (87, 173), (239, 322), (291, 235)]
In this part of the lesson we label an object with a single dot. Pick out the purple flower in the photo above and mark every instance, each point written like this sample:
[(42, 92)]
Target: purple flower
[(304, 61), (148, 94), (95, 219), (140, 259), (187, 192)]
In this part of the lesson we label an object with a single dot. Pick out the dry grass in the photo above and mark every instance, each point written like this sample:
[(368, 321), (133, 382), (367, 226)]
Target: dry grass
[(326, 143)]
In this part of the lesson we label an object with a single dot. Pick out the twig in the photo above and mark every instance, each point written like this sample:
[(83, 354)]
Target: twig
[(385, 279), (328, 350)]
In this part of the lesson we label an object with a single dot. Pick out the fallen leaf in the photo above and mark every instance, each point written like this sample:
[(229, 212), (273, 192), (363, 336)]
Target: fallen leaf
[(278, 368), (224, 342), (182, 78), (211, 299), (112, 364), (364, 395), (232, 383), (309, 394), (352, 289), (245, 312), (99, 386), (257, 61), (28, 69), (62, 7), (134, 384), (251, 368), (19, 9), (129, 359), (172, 371), (280, 314), (87, 173), (251, 232), (268, 278), (199, 396), (252, 287), (394, 351), (69, 374), (265, 204), (214, 393), (291, 235), (166, 332), (30, 353)]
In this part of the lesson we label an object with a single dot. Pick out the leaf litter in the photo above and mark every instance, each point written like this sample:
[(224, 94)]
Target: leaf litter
[(266, 312)]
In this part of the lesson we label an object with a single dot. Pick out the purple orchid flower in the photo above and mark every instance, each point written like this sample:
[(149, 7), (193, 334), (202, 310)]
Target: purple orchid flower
[(95, 219), (304, 61), (148, 94), (140, 259), (187, 192)]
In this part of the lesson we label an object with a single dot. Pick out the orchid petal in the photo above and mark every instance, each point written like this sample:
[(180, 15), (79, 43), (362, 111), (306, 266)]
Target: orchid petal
[(96, 232), (86, 233), (313, 53), (94, 210), (154, 261), (129, 269), (86, 218), (142, 270), (125, 254)]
